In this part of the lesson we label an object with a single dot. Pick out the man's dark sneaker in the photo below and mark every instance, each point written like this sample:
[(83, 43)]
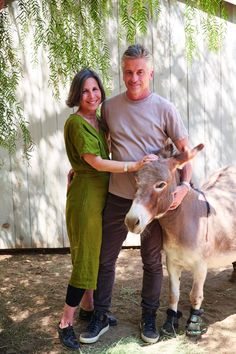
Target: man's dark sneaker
[(149, 334), (98, 325), (68, 338), (87, 316), (112, 320)]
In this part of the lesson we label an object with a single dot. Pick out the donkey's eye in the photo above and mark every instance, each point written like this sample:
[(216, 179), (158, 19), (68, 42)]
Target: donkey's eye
[(159, 186)]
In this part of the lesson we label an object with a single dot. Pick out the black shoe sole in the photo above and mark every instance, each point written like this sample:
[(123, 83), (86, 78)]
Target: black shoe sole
[(85, 340)]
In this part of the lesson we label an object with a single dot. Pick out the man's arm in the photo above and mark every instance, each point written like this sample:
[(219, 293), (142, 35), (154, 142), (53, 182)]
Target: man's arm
[(185, 177)]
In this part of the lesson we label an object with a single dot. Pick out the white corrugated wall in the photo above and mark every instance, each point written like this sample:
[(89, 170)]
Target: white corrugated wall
[(32, 197)]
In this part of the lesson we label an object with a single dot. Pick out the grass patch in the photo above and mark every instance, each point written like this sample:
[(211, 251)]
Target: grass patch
[(178, 345), (129, 294), (132, 345), (184, 346), (123, 346)]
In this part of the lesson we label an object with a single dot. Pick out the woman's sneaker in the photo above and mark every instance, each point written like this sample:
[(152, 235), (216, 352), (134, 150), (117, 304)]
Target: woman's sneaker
[(68, 338), (98, 325)]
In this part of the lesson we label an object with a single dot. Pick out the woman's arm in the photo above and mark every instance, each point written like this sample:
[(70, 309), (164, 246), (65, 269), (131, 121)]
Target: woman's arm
[(117, 166)]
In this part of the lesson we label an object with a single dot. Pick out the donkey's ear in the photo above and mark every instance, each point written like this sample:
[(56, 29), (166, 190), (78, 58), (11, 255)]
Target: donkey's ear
[(166, 152), (181, 159)]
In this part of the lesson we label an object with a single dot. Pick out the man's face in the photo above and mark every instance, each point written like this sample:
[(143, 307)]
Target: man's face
[(137, 74)]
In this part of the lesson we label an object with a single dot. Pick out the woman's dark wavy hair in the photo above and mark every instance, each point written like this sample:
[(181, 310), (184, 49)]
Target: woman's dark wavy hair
[(77, 85)]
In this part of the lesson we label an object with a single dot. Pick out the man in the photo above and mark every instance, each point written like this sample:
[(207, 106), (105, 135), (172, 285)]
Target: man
[(139, 122)]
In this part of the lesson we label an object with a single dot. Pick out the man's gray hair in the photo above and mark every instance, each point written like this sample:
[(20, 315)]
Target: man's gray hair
[(136, 51)]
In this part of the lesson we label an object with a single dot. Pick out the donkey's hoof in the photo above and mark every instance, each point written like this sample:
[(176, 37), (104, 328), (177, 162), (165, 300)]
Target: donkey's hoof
[(170, 327), (195, 326), (196, 333), (167, 330)]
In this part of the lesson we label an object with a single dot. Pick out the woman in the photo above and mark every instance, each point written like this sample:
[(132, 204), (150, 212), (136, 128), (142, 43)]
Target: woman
[(87, 151)]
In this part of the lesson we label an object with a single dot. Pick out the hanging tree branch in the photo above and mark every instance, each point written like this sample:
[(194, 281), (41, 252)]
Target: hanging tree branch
[(12, 122), (212, 27), (73, 34)]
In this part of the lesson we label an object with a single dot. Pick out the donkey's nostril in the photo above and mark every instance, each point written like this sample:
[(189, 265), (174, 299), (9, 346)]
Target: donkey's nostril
[(137, 222)]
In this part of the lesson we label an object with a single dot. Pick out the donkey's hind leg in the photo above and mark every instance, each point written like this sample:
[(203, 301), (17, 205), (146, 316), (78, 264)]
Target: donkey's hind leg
[(195, 326)]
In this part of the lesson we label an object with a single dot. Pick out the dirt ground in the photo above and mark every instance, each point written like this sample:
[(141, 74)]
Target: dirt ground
[(32, 296)]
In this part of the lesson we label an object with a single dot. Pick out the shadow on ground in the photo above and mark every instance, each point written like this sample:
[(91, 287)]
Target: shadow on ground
[(32, 298)]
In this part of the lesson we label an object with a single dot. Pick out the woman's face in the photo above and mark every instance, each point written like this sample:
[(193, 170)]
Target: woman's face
[(91, 96)]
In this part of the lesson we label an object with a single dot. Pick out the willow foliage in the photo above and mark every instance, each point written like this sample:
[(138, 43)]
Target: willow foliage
[(135, 14), (12, 122), (212, 27), (73, 34)]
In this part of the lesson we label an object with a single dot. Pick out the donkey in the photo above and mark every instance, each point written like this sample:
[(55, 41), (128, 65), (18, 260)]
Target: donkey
[(199, 234)]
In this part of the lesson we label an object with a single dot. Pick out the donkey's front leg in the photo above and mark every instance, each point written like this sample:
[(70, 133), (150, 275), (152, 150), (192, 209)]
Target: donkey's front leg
[(170, 326), (195, 325)]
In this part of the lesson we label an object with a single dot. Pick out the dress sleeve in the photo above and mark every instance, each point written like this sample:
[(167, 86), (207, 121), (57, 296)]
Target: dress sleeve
[(84, 141)]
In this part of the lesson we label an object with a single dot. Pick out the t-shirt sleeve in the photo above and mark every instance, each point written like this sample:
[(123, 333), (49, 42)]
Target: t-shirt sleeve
[(85, 142), (175, 128)]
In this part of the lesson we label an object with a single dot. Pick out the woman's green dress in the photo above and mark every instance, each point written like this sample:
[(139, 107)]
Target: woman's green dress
[(85, 200)]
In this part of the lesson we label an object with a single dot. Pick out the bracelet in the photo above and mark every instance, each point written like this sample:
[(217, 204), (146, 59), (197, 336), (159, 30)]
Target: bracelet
[(126, 167), (186, 184)]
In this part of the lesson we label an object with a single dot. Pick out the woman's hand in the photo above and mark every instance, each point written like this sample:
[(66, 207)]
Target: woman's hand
[(149, 158), (145, 160)]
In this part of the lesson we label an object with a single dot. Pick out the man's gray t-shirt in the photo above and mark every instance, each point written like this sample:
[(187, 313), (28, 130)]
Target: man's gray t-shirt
[(138, 128)]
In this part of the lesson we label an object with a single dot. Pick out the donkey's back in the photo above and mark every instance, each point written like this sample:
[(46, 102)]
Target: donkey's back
[(220, 192)]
